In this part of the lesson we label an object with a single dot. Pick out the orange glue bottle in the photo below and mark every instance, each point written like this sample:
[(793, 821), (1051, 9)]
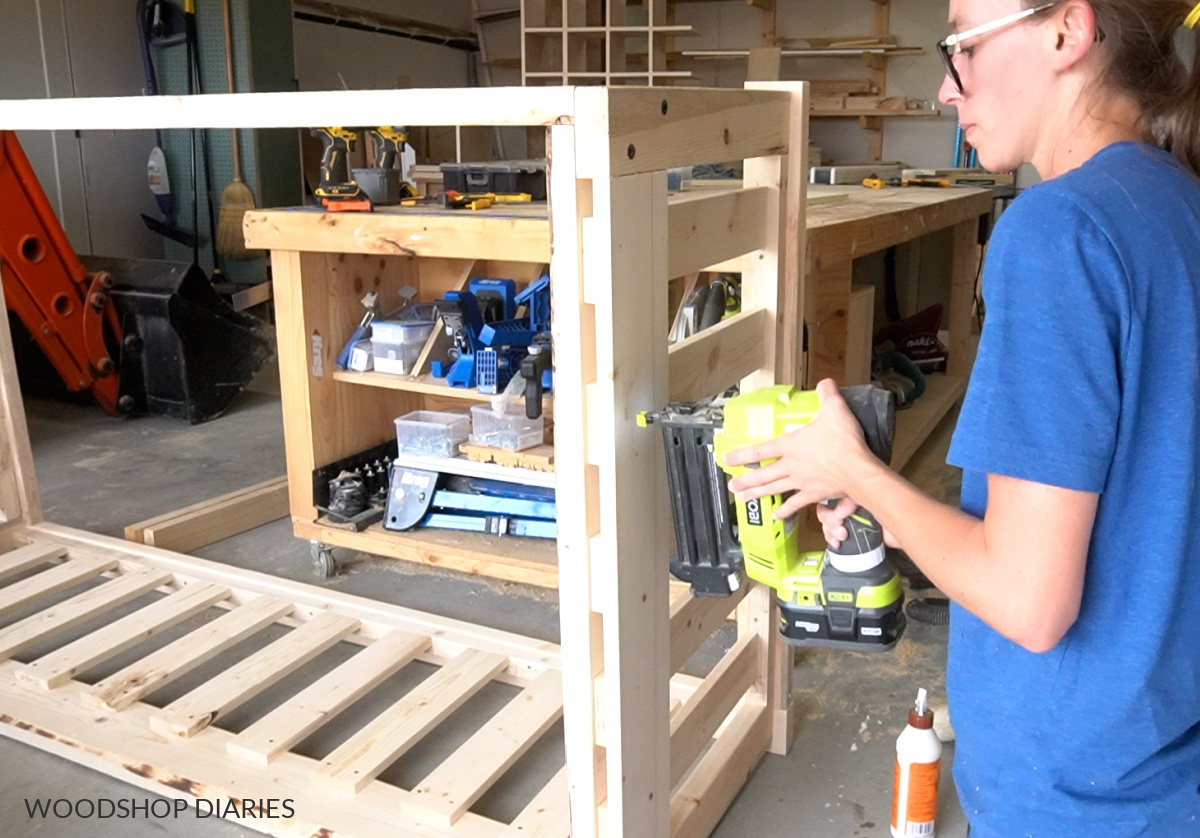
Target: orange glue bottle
[(918, 766)]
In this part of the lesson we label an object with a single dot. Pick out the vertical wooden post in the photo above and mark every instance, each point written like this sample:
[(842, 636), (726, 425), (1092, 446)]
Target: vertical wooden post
[(773, 279), (578, 482), (19, 498), (883, 11), (965, 261), (625, 281)]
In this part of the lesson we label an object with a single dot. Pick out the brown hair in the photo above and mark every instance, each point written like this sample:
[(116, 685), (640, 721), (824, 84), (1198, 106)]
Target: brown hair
[(1141, 61)]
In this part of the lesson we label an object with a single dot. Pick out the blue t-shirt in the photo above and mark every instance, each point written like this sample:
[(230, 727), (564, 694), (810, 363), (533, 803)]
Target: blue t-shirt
[(1088, 378)]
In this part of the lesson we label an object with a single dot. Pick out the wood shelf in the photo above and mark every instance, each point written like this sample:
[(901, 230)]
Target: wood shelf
[(915, 423), (836, 113), (529, 561), (824, 52), (427, 384)]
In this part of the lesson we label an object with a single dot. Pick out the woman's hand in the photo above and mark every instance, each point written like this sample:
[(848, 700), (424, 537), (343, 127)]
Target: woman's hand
[(833, 523), (815, 462)]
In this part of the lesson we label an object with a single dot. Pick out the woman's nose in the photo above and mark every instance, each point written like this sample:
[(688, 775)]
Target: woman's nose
[(948, 93)]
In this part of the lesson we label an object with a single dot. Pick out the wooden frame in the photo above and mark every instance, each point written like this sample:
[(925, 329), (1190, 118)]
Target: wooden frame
[(648, 751)]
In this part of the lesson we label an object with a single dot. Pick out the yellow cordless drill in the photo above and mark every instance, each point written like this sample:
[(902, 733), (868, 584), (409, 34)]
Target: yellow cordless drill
[(848, 596)]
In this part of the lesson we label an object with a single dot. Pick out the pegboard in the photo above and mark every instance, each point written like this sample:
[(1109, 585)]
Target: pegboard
[(171, 67)]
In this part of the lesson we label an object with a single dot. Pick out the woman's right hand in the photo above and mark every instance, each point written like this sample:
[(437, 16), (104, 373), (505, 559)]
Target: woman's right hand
[(833, 523)]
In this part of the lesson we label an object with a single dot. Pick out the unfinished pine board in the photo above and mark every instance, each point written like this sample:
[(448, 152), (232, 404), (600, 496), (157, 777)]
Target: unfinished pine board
[(704, 363), (914, 424), (78, 609), (696, 723), (365, 755), (215, 519), (160, 668), (712, 226), (201, 707), (58, 578), (31, 555), (481, 760), (58, 667), (303, 713)]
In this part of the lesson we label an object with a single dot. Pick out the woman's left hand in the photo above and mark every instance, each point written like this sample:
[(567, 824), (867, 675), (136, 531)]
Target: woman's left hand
[(814, 461)]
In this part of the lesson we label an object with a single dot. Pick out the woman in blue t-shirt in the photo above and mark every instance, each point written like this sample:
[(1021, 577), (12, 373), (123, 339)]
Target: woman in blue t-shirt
[(1074, 563)]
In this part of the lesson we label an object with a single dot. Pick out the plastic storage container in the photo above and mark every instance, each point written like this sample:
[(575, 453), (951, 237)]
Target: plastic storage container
[(511, 430), (503, 176), (431, 432), (396, 344)]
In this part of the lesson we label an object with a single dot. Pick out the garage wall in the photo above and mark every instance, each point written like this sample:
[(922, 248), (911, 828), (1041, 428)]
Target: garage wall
[(96, 181), (917, 23), (370, 61)]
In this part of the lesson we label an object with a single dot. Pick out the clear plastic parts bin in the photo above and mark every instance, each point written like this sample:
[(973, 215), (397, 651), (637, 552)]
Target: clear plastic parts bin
[(397, 344), (431, 432), (509, 429)]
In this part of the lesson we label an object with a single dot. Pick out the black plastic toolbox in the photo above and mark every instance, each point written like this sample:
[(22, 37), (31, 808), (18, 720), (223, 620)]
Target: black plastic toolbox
[(500, 176)]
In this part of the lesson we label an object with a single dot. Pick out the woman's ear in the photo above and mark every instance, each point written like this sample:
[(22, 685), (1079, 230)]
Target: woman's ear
[(1073, 32)]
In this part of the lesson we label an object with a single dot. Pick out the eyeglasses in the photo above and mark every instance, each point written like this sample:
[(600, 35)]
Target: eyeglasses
[(954, 42)]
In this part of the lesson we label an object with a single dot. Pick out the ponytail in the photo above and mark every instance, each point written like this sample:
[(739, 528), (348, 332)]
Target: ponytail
[(1176, 127), (1141, 61)]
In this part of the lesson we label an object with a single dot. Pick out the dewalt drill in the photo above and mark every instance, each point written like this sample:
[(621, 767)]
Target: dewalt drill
[(848, 596)]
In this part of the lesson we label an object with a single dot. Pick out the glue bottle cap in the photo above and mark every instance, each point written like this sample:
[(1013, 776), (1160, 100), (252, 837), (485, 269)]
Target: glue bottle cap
[(921, 717)]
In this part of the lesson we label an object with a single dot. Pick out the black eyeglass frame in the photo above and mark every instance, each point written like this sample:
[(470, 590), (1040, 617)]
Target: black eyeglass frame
[(953, 41)]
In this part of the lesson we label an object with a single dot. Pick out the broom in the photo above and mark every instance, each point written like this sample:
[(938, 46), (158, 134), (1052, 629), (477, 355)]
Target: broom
[(237, 197)]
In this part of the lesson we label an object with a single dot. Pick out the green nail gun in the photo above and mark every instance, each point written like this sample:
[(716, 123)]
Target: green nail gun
[(846, 597)]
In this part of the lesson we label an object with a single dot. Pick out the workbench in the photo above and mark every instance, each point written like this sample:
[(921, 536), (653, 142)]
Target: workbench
[(867, 222), (649, 751), (442, 249)]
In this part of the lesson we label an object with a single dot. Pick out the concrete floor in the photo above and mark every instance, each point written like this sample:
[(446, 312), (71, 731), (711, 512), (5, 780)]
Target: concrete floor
[(99, 474)]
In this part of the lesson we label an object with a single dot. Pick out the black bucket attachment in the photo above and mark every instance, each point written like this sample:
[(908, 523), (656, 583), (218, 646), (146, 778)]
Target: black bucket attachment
[(185, 352)]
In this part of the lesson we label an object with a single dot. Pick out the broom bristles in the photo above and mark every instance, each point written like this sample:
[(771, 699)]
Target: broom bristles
[(231, 240)]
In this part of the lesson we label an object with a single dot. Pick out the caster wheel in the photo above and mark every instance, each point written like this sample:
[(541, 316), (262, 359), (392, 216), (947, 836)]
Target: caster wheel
[(324, 564)]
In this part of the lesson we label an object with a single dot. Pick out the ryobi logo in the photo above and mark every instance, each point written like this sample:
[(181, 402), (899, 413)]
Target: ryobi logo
[(754, 513)]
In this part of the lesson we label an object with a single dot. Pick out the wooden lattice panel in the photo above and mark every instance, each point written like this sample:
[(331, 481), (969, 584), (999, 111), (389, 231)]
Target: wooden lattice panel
[(55, 580)]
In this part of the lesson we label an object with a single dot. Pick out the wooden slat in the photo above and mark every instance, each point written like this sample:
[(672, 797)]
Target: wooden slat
[(713, 227), (31, 555), (711, 361), (78, 608), (548, 815), (51, 581), (362, 757), (215, 519), (463, 778), (694, 619), (61, 665), (720, 774), (195, 711), (491, 106), (694, 725), (160, 668), (695, 126), (304, 712)]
